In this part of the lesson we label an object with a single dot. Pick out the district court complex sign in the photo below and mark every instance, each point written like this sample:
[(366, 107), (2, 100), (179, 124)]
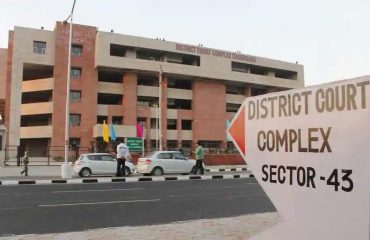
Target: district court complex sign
[(309, 149)]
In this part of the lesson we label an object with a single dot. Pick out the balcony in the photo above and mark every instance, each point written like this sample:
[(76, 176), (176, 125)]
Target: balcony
[(187, 135), (147, 91), (37, 108), (105, 110), (110, 88), (36, 132), (234, 98), (121, 130), (179, 93), (38, 85)]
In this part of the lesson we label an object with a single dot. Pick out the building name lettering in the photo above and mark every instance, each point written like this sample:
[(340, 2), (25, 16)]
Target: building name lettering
[(214, 52)]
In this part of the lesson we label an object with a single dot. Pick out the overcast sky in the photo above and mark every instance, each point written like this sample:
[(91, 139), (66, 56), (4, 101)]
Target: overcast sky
[(330, 38)]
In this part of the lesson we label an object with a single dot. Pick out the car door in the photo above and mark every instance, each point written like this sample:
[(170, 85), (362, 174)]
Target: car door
[(182, 164), (165, 161), (94, 164), (108, 164)]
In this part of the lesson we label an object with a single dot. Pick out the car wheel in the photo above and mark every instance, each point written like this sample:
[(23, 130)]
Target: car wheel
[(157, 171), (85, 172), (127, 171)]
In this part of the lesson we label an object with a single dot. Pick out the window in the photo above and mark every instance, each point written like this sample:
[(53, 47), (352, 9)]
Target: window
[(178, 104), (186, 124), (232, 107), (234, 89), (93, 157), (75, 96), (76, 73), (258, 91), (75, 120), (117, 50), (117, 120), (101, 119), (171, 124), (39, 47), (179, 156), (154, 123), (172, 145), (110, 99), (76, 50), (74, 143), (106, 158), (165, 156)]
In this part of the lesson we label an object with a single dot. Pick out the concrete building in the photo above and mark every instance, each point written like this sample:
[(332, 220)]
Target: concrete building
[(115, 77), (3, 64)]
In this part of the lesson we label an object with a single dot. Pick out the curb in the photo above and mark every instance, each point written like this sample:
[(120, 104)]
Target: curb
[(124, 179), (225, 169)]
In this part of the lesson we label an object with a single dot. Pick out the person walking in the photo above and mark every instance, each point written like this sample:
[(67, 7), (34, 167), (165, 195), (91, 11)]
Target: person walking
[(123, 154), (199, 157), (25, 161)]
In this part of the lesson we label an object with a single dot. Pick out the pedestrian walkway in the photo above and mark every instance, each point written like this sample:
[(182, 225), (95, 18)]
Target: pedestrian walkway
[(234, 228)]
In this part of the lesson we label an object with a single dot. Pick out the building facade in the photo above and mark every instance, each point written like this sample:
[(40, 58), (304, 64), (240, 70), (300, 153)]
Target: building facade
[(3, 65), (115, 78)]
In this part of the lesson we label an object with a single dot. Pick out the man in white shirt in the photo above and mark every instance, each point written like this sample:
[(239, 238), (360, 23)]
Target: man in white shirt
[(123, 154)]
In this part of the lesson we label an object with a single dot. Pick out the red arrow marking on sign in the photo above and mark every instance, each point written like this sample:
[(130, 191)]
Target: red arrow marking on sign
[(237, 130)]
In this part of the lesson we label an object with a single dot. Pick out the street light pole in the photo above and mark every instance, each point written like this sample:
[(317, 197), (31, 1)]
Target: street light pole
[(160, 107), (66, 171)]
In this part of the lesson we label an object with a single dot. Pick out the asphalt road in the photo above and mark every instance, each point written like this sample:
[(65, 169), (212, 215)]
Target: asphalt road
[(36, 209)]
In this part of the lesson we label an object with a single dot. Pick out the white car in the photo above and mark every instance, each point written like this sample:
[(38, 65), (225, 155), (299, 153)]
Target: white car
[(99, 163), (164, 162)]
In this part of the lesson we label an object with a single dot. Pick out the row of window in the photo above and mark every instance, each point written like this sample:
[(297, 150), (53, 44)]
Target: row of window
[(39, 47), (75, 120)]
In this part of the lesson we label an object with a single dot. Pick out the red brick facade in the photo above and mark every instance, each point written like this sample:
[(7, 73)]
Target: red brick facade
[(87, 84)]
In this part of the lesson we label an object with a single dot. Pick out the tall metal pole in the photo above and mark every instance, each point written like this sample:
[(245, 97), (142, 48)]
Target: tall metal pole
[(160, 107), (65, 169), (68, 93), (156, 128)]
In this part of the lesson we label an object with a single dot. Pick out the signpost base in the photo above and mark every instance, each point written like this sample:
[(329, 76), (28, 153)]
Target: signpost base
[(66, 170)]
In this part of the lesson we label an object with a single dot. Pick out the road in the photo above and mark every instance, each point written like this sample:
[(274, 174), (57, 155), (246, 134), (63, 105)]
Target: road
[(36, 209)]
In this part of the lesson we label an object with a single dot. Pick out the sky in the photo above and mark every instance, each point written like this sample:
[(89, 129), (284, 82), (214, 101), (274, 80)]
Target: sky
[(329, 37)]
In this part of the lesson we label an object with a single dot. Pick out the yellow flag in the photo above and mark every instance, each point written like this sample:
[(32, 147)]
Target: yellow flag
[(105, 132)]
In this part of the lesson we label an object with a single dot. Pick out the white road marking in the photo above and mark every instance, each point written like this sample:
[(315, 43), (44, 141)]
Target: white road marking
[(101, 190), (98, 203)]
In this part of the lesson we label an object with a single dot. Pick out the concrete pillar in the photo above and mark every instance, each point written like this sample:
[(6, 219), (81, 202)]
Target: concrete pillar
[(248, 91), (164, 111), (2, 145), (179, 132), (129, 99)]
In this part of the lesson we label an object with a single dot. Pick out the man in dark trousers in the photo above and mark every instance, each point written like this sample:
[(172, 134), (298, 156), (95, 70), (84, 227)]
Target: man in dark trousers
[(25, 163), (199, 157), (122, 154)]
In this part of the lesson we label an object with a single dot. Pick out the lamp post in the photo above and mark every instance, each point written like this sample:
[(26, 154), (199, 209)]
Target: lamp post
[(160, 107), (66, 171)]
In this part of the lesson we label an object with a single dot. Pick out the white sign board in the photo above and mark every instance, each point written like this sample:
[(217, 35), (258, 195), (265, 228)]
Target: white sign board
[(309, 149)]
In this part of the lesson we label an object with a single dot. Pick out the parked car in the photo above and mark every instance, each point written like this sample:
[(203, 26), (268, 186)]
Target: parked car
[(165, 162), (99, 163)]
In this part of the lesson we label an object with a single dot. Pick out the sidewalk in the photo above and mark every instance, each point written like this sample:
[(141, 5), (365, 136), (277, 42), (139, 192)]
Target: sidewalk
[(234, 228), (54, 172)]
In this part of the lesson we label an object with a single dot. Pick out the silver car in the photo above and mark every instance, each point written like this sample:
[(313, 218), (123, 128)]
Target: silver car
[(165, 162), (99, 163)]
